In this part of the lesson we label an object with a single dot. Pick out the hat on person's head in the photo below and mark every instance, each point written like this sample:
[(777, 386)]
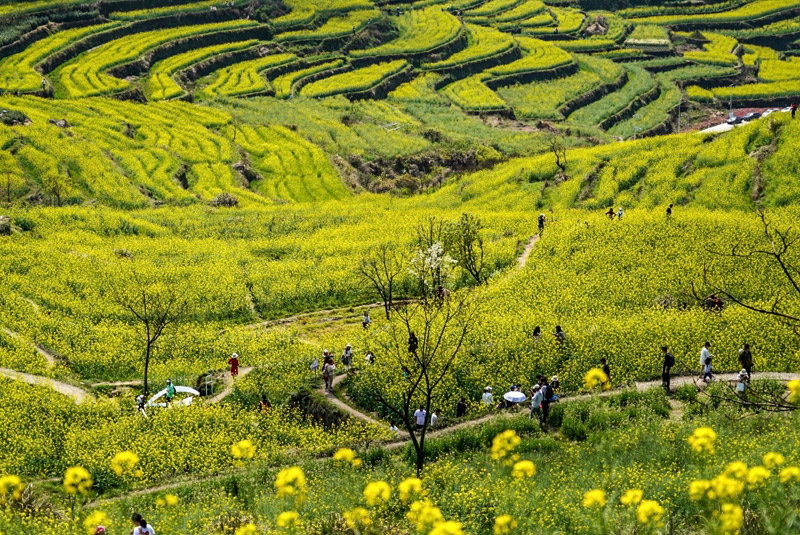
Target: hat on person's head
[(743, 372), (169, 381), (536, 388), (348, 345), (235, 355), (555, 378), (100, 530), (488, 388)]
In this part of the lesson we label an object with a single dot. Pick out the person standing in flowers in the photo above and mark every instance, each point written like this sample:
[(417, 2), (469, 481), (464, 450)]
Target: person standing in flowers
[(328, 371), (315, 365), (559, 334), (367, 320), (746, 359), (620, 213), (541, 224), (487, 396), (234, 364), (606, 370), (170, 391), (547, 394), (347, 357), (536, 403), (420, 416), (666, 369), (669, 211), (461, 408), (264, 405), (610, 213), (140, 526)]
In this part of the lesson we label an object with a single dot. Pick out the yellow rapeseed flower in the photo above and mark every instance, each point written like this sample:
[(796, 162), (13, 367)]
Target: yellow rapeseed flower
[(11, 485), (596, 378), (594, 498), (631, 497), (377, 493), (698, 489), (449, 527), (756, 476), (736, 469), (725, 488), (731, 518), (96, 518), (702, 440), (504, 525), (409, 488), (649, 512), (504, 444), (790, 473), (124, 462), (357, 517), (794, 390), (523, 469), (77, 480), (291, 483), (773, 459), (288, 519), (424, 515), (243, 450), (247, 529)]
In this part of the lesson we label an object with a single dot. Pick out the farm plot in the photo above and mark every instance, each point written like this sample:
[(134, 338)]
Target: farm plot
[(753, 10), (284, 84), (718, 51), (244, 78), (354, 81), (640, 83), (653, 114), (483, 43), (539, 55), (334, 28), (568, 21), (169, 10), (471, 94), (649, 37)]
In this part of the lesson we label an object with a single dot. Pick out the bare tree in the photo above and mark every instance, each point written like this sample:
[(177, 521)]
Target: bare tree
[(777, 249), (154, 303), (464, 239), (424, 340), (431, 244), (556, 145), (381, 267), (758, 397), (56, 185), (11, 183)]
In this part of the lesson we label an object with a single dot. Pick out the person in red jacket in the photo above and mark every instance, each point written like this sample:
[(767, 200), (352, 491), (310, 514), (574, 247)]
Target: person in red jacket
[(234, 363)]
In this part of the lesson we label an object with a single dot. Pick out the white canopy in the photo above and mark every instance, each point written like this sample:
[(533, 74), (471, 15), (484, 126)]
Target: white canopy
[(178, 390)]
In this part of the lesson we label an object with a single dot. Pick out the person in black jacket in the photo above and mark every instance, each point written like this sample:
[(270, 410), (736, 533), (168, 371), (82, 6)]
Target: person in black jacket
[(669, 362)]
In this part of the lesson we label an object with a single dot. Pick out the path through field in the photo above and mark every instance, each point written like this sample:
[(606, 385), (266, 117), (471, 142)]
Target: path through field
[(76, 393), (523, 258), (229, 383)]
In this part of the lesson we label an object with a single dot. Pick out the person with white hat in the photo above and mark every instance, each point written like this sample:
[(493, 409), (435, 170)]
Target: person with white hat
[(487, 396), (347, 357), (234, 363)]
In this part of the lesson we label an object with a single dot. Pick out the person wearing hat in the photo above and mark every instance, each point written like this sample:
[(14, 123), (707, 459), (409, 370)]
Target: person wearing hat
[(541, 223), (555, 384), (347, 357), (170, 391), (741, 382), (234, 363), (487, 396)]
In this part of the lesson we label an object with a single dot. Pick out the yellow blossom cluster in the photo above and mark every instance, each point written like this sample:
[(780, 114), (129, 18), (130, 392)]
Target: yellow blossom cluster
[(503, 446), (703, 439), (347, 456)]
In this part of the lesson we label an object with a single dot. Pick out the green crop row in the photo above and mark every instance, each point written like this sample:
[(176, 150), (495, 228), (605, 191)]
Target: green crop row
[(420, 89), (483, 43), (420, 31), (747, 12), (587, 45), (170, 10), (651, 115), (718, 51), (776, 29), (335, 27), (244, 78), (525, 10), (648, 35), (539, 55), (639, 83), (568, 21), (86, 76), (747, 92), (536, 21), (162, 86), (492, 7), (354, 81), (471, 94), (18, 72), (284, 84), (775, 70)]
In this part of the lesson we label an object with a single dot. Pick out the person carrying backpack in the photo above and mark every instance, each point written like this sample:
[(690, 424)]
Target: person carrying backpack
[(541, 223), (669, 362), (170, 392), (746, 360)]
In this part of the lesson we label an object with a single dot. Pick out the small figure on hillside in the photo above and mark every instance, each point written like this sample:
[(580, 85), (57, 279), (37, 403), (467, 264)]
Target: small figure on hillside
[(369, 359), (610, 213), (606, 370), (794, 110), (170, 392), (487, 396), (547, 395), (366, 321), (435, 417), (44, 84), (461, 408), (347, 357), (669, 211), (413, 343), (708, 375), (620, 213), (537, 334), (140, 402), (140, 526), (746, 360), (264, 405), (328, 371), (315, 365), (406, 372), (541, 223), (234, 363), (705, 354), (420, 417), (713, 302), (394, 429), (559, 334), (666, 368), (536, 403)]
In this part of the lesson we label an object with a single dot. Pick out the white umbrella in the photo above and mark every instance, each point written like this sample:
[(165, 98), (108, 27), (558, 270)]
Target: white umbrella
[(179, 390), (514, 397)]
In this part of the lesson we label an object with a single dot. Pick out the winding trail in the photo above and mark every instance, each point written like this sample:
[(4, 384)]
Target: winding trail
[(48, 355), (76, 393), (229, 384), (526, 252)]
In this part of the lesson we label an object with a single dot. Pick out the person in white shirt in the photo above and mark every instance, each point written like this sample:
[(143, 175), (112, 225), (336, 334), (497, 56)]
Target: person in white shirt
[(487, 396), (420, 415), (434, 418), (140, 526), (536, 402), (705, 354), (394, 430)]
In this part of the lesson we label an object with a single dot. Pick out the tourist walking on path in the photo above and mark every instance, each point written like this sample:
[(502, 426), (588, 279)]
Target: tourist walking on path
[(140, 526), (746, 360), (347, 357), (669, 211), (420, 416), (536, 403), (315, 365), (708, 376), (666, 369), (367, 320), (234, 363), (705, 354), (547, 395), (461, 408), (328, 371), (541, 223)]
